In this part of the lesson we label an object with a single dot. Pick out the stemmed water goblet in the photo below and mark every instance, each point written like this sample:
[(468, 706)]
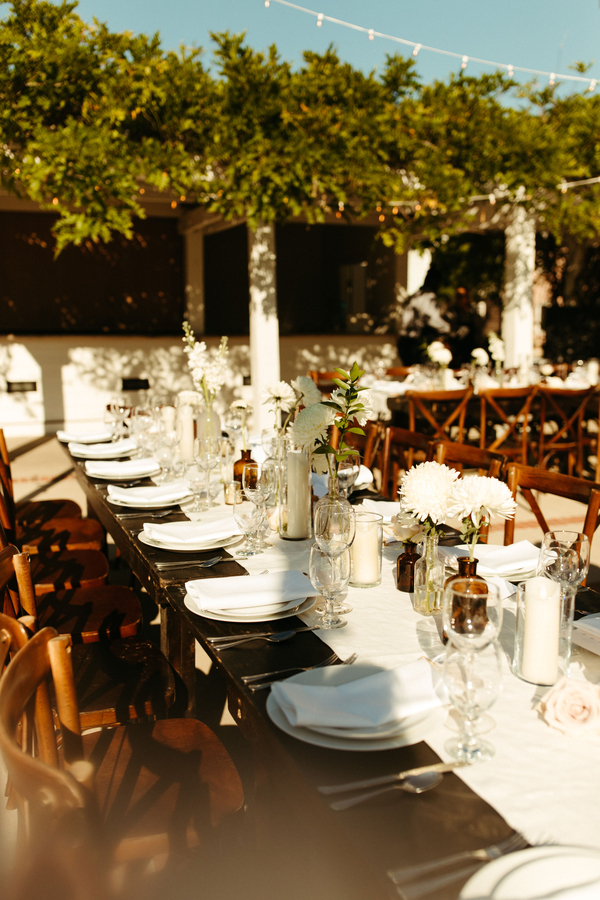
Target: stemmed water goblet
[(565, 558), (207, 453), (334, 529), (119, 410), (258, 483), (473, 677), (330, 576), (248, 516), (195, 481)]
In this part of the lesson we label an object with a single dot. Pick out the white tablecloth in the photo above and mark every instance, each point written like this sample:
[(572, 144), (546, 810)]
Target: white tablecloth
[(542, 782)]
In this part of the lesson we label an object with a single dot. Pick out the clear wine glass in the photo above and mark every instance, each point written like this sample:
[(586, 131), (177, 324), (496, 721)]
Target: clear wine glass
[(565, 557), (120, 411), (258, 483), (195, 481), (164, 457), (248, 516), (330, 576), (473, 678), (471, 613), (335, 526), (348, 470), (207, 452)]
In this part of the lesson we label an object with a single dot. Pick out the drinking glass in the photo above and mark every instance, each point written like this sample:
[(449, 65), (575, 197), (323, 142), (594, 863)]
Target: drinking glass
[(348, 469), (195, 481), (335, 526), (471, 613), (164, 457), (119, 410), (330, 576), (565, 557), (258, 483), (207, 453), (140, 424), (268, 439), (473, 678), (248, 516)]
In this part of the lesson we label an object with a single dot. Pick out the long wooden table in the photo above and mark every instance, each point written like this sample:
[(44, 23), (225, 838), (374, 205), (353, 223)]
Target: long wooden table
[(313, 852)]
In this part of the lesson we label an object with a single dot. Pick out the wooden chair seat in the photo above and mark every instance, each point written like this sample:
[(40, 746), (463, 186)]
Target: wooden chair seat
[(103, 613), (57, 535), (34, 512), (68, 570), (161, 786), (121, 681)]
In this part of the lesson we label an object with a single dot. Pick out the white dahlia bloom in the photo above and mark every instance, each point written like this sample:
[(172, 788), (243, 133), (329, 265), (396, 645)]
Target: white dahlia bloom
[(478, 496), (311, 424), (309, 392), (427, 491), (439, 353), (279, 395), (480, 356)]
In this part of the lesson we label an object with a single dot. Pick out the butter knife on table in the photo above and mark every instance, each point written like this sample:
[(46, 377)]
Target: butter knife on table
[(389, 779)]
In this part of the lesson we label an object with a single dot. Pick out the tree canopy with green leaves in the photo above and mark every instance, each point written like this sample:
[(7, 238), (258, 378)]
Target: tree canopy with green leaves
[(88, 117)]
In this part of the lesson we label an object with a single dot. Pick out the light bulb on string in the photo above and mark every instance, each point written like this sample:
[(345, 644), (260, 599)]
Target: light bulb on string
[(371, 34), (511, 71), (319, 20), (464, 62), (592, 84), (416, 50), (552, 78), (267, 3)]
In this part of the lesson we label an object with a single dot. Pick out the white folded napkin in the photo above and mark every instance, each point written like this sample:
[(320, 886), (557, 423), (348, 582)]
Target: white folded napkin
[(130, 468), (275, 589), (387, 696), (385, 508), (192, 532), (94, 437), (494, 560), (586, 633), (103, 451), (164, 493), (365, 476), (391, 388)]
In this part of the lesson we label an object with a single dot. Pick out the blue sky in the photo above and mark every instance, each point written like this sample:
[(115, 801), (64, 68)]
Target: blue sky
[(540, 34)]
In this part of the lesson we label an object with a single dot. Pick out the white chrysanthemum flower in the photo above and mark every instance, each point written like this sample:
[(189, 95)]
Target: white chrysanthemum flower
[(427, 491), (309, 392), (279, 395), (439, 353), (480, 356), (477, 496), (363, 415), (311, 424), (240, 405), (319, 463)]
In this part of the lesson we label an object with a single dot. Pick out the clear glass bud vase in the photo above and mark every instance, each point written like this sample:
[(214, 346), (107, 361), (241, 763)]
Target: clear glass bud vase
[(429, 579)]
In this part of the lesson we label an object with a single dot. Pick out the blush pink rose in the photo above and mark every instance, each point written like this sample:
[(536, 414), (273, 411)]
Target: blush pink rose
[(572, 706)]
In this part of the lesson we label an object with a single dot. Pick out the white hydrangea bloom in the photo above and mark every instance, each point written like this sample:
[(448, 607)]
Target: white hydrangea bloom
[(480, 356), (439, 353)]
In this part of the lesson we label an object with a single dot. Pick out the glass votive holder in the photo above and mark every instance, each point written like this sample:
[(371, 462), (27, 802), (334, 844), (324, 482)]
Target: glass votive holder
[(230, 489), (543, 631), (367, 549)]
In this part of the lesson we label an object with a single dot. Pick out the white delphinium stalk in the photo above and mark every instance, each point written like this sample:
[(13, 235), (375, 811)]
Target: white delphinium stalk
[(480, 356), (208, 369), (426, 492), (496, 345), (475, 500)]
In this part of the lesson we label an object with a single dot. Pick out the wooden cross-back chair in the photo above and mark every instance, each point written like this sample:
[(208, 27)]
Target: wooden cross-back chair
[(368, 445), (398, 371), (150, 791), (324, 380), (117, 681), (506, 414), (459, 456), (32, 511), (529, 479), (399, 447), (566, 410), (442, 411)]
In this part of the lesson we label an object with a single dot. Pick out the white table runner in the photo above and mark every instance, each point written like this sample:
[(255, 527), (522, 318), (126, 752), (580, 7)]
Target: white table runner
[(542, 782)]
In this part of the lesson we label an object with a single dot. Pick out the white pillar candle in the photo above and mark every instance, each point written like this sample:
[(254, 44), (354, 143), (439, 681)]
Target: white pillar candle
[(297, 494), (185, 415), (167, 414), (365, 549), (541, 631)]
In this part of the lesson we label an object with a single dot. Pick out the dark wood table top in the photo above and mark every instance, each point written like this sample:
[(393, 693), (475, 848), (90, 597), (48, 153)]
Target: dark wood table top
[(334, 854)]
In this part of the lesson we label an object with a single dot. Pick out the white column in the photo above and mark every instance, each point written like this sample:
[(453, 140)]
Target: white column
[(264, 324), (519, 267), (194, 279), (411, 271)]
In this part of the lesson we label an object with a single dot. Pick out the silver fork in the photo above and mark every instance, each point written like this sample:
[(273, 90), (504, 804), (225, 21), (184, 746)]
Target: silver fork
[(326, 662), (422, 888)]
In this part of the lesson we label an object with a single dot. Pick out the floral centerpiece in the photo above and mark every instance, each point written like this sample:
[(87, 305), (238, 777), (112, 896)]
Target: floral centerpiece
[(497, 352), (440, 354), (282, 397), (208, 370), (475, 500), (480, 357)]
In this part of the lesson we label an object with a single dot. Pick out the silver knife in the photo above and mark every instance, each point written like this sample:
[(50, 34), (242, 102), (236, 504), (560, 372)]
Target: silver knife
[(389, 779), (235, 637)]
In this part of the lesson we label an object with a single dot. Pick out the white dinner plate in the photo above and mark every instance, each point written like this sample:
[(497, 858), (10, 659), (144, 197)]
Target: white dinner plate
[(189, 548), (130, 476), (148, 504), (373, 732), (537, 873), (296, 608), (342, 675), (114, 454)]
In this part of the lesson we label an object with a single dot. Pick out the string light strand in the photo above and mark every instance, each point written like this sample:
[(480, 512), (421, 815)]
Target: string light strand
[(417, 46)]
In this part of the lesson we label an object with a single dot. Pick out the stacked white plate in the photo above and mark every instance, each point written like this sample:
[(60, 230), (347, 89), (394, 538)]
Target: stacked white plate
[(95, 437), (102, 451), (149, 497), (115, 470), (190, 537), (399, 733), (259, 598)]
